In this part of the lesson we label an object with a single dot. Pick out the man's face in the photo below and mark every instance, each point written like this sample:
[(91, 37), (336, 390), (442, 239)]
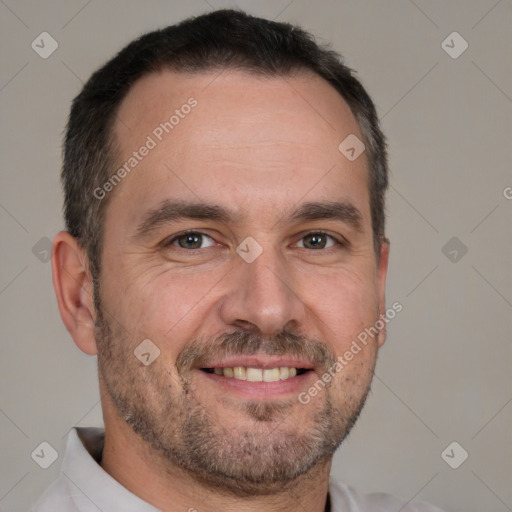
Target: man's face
[(264, 153)]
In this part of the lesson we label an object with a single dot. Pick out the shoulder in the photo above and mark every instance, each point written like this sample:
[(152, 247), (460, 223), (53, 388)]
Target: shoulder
[(345, 498)]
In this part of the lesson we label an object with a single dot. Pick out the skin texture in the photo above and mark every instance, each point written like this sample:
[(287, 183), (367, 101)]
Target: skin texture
[(176, 436)]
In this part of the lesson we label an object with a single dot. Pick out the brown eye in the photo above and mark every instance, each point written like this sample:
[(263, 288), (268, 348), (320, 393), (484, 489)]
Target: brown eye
[(191, 241), (317, 241)]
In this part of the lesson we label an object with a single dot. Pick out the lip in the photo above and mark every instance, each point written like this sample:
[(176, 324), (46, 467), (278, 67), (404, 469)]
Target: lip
[(261, 361), (260, 390)]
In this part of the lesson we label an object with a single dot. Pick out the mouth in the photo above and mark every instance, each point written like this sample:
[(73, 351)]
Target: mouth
[(254, 374), (259, 376)]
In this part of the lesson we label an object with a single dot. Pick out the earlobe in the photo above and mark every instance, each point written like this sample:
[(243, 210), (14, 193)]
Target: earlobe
[(382, 271), (74, 290)]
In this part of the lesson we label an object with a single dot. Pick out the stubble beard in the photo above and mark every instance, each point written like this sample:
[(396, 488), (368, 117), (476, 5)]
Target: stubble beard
[(265, 456)]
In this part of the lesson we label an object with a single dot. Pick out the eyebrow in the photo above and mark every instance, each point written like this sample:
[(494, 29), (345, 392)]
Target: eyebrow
[(335, 210), (171, 211)]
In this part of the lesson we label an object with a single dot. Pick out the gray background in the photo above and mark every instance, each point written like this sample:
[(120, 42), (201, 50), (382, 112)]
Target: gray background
[(444, 373)]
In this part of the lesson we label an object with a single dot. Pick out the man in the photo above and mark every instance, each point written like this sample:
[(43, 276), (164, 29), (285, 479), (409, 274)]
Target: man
[(224, 200)]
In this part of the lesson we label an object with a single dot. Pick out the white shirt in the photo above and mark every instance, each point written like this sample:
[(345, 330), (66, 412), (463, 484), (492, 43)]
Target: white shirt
[(83, 486)]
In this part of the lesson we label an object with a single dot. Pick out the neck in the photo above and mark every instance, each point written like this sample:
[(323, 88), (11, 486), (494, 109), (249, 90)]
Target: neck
[(145, 473)]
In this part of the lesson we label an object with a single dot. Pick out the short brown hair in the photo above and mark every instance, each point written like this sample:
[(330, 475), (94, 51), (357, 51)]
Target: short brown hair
[(218, 40)]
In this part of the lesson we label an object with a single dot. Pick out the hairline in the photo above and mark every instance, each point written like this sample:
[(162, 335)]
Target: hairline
[(114, 144)]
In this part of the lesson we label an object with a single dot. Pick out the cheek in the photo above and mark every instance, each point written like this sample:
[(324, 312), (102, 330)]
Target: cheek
[(164, 306), (347, 302)]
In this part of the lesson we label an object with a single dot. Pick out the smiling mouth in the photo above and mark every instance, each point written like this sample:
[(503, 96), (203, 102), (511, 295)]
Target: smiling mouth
[(251, 374)]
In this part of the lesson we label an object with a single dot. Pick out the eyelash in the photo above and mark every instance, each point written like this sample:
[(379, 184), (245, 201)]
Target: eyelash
[(167, 243)]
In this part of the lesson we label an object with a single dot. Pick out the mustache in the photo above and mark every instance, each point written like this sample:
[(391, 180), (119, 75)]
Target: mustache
[(238, 343)]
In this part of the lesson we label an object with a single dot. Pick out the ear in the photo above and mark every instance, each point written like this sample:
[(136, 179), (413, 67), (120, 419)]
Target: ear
[(382, 271), (74, 289)]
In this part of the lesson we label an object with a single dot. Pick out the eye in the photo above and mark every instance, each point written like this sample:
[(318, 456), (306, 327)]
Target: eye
[(318, 240), (191, 240)]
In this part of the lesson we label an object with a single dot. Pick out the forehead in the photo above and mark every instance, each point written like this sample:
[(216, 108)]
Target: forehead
[(243, 99), (254, 138)]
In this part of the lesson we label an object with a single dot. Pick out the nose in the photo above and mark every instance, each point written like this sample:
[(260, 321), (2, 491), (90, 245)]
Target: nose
[(261, 296)]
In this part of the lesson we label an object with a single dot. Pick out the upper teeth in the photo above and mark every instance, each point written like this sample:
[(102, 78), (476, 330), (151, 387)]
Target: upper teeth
[(257, 374)]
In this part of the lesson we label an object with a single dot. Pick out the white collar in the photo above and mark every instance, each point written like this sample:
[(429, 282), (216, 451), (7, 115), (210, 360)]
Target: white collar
[(83, 473), (80, 466)]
